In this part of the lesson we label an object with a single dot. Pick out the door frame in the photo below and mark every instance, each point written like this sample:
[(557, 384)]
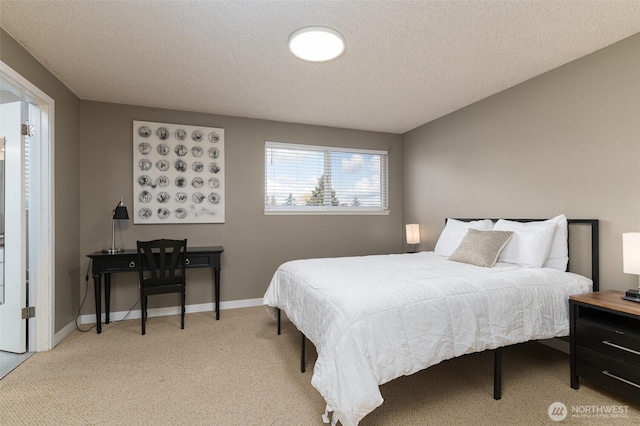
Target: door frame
[(42, 326)]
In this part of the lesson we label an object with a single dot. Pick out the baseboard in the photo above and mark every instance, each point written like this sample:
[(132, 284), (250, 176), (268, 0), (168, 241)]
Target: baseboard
[(173, 310), (62, 334), (157, 312)]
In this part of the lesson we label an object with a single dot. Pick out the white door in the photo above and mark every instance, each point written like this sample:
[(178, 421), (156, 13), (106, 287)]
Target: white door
[(13, 329)]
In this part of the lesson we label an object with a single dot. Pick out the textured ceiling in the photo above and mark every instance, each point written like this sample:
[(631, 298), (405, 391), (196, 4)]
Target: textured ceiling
[(406, 63)]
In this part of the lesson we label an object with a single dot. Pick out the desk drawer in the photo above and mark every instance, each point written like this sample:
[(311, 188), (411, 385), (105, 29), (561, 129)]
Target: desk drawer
[(198, 261), (128, 261), (125, 265), (619, 344), (120, 264)]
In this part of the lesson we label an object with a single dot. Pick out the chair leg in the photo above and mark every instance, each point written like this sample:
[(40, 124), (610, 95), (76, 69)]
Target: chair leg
[(143, 307), (183, 310)]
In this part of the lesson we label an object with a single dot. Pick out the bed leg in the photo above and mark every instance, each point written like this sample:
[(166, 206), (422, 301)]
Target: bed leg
[(497, 374), (278, 321), (302, 354)]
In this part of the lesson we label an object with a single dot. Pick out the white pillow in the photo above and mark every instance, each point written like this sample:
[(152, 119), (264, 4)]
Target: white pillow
[(454, 231), (530, 244), (559, 254)]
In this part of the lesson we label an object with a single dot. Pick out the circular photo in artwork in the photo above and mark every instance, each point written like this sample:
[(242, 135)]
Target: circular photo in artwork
[(144, 131), (144, 180), (197, 135), (214, 198), (197, 151), (163, 213), (181, 166), (163, 165), (181, 150), (181, 181), (144, 164), (214, 152), (163, 133), (198, 198), (214, 168), (214, 182), (163, 149), (145, 197), (145, 213), (181, 213), (163, 197), (162, 181), (144, 148), (197, 167), (197, 182), (181, 197), (214, 137), (181, 134)]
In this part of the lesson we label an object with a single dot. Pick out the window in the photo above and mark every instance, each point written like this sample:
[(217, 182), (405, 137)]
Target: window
[(318, 179)]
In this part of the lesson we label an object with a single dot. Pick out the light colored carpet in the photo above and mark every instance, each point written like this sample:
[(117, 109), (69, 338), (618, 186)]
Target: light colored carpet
[(237, 371)]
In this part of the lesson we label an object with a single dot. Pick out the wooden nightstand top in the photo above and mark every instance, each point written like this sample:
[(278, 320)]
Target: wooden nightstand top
[(610, 299)]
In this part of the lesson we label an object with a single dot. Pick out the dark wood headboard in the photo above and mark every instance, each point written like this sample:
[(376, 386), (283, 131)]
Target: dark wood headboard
[(595, 243)]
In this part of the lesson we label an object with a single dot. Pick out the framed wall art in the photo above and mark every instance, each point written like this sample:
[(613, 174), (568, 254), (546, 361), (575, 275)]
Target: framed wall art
[(178, 173)]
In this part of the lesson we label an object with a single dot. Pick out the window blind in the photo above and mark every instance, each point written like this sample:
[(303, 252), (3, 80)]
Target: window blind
[(306, 178)]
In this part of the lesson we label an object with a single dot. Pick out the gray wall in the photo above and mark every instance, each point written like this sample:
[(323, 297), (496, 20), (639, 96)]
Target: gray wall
[(567, 142), (254, 244), (66, 176)]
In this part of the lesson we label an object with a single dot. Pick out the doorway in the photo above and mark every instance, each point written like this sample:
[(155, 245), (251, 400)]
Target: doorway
[(26, 220)]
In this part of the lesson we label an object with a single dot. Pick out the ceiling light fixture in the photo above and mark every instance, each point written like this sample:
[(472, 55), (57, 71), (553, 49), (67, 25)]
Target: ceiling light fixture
[(316, 44)]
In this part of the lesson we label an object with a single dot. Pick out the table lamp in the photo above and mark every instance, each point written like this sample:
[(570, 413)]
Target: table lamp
[(119, 213), (413, 236), (631, 261)]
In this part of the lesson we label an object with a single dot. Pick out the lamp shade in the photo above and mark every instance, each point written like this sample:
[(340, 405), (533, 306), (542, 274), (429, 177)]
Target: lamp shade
[(631, 252), (413, 233), (120, 212)]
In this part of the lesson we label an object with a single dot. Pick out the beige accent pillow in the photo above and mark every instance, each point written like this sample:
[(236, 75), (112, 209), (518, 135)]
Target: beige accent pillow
[(481, 248)]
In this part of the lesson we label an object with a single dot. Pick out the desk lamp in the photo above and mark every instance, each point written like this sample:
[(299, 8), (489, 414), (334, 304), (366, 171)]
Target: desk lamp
[(631, 261), (413, 236), (119, 213)]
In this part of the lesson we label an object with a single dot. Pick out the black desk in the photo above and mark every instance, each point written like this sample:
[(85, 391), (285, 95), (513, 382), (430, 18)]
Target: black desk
[(127, 260)]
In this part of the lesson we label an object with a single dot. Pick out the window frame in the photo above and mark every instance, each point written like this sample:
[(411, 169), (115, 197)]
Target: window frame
[(330, 210)]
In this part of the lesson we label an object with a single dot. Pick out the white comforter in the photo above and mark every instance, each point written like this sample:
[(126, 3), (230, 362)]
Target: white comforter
[(375, 318)]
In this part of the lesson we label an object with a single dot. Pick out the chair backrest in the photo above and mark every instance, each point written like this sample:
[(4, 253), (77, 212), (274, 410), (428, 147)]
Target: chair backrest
[(163, 258)]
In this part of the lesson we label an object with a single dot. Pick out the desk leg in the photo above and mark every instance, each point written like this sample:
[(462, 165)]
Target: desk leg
[(97, 290), (216, 273), (107, 297)]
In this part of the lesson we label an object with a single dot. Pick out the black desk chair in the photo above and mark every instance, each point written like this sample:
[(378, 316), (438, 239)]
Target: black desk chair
[(162, 265)]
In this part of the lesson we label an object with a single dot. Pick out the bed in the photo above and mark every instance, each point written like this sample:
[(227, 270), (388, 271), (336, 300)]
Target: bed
[(375, 318)]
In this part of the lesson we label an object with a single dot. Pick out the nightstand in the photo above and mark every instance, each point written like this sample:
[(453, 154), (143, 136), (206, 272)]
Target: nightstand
[(605, 342)]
